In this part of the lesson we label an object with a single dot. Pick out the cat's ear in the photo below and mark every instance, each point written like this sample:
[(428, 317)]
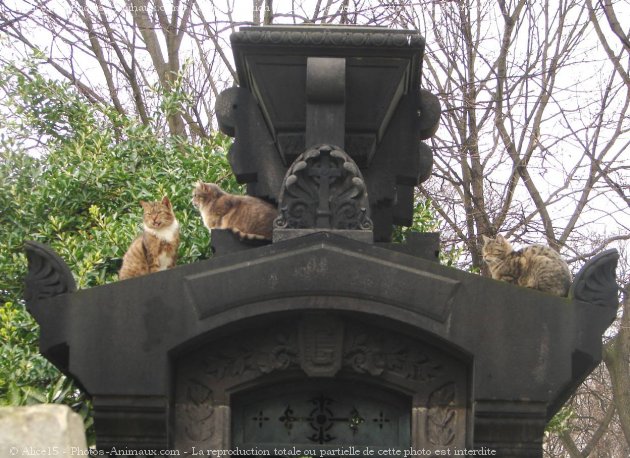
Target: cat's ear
[(486, 239), (501, 239), (166, 202), (144, 204)]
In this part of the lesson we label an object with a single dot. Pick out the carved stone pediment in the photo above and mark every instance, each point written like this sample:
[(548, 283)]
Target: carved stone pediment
[(317, 269)]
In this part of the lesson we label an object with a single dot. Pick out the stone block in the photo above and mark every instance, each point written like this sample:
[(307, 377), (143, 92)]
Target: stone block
[(46, 429)]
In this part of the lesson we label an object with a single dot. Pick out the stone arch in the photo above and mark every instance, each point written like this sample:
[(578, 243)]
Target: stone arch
[(343, 359)]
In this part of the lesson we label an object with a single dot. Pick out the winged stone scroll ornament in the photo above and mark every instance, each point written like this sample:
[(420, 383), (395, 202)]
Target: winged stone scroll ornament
[(596, 282), (48, 275)]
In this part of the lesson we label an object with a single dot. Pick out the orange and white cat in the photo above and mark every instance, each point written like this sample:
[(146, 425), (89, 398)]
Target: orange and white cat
[(156, 248)]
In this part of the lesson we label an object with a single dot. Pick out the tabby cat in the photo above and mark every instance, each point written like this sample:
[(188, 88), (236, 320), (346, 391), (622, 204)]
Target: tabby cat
[(246, 216), (538, 267), (156, 248)]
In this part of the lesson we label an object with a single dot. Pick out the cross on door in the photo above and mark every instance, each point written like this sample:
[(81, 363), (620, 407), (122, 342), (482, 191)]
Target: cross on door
[(322, 419), (260, 418), (381, 420)]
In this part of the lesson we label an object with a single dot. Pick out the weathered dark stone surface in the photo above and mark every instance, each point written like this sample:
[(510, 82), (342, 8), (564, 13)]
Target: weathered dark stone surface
[(226, 242), (424, 245), (253, 156), (130, 343)]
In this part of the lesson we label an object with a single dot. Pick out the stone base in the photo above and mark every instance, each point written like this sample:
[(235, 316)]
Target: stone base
[(280, 235), (225, 241)]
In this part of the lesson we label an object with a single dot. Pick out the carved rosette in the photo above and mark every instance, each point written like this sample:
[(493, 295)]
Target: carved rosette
[(324, 189)]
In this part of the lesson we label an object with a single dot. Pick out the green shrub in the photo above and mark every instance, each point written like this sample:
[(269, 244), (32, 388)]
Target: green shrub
[(78, 191)]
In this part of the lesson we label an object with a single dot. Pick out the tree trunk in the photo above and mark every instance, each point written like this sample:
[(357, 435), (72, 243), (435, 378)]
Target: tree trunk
[(617, 360)]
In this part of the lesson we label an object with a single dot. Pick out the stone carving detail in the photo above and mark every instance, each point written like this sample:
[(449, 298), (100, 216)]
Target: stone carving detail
[(377, 355), (48, 275), (321, 345), (207, 377), (324, 188), (199, 412), (596, 281), (254, 357), (441, 416), (360, 351), (327, 38)]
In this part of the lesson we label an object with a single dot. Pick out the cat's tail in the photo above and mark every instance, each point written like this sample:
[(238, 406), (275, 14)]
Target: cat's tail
[(134, 261), (248, 236)]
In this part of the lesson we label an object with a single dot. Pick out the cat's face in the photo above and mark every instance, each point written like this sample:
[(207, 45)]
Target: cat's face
[(158, 214), (204, 193), (495, 250)]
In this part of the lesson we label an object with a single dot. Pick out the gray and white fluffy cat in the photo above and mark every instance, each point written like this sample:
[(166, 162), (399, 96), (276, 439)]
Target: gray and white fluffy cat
[(246, 216), (536, 266)]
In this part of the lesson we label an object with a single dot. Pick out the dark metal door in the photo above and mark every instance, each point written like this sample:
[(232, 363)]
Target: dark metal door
[(311, 415)]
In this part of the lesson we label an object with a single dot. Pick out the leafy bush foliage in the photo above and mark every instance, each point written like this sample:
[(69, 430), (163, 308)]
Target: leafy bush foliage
[(78, 190)]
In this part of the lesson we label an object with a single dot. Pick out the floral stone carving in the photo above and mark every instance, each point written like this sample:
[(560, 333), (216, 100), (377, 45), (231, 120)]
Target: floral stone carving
[(324, 189)]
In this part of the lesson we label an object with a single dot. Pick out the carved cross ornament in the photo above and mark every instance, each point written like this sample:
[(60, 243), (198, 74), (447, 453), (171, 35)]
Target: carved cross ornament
[(324, 189)]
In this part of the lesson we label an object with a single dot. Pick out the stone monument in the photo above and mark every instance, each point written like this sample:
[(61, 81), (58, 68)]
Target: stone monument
[(332, 339)]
